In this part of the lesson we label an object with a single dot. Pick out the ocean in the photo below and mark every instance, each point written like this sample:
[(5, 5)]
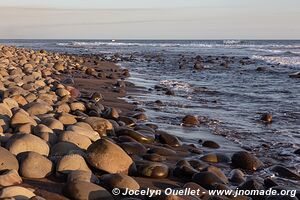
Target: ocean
[(228, 98)]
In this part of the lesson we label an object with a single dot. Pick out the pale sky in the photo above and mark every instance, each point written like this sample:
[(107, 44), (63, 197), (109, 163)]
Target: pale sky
[(149, 19)]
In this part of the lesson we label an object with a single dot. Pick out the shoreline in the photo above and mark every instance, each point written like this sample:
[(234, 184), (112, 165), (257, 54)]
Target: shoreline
[(155, 159)]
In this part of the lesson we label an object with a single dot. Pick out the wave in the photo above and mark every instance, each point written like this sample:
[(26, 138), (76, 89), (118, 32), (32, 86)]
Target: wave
[(272, 48), (282, 60)]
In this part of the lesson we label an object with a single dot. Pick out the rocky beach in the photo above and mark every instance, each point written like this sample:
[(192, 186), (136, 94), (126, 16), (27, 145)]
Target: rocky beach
[(66, 132)]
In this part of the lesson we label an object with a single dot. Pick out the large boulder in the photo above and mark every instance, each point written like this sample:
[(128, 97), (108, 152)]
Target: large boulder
[(120, 181), (108, 157), (84, 129), (75, 138), (19, 143), (21, 117), (34, 165)]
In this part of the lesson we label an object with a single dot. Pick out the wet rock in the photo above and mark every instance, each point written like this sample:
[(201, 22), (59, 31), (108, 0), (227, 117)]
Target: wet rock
[(62, 92), (80, 190), (210, 144), (267, 118), (216, 158), (135, 135), (190, 120), (16, 192), (111, 113), (19, 143), (70, 163), (8, 160), (199, 65), (79, 175), (295, 75), (285, 173), (133, 148), (121, 181), (109, 157), (245, 160), (237, 176), (154, 157), (153, 170), (140, 116), (206, 179), (218, 172), (9, 177), (169, 139), (297, 152), (163, 151), (170, 92), (34, 165)]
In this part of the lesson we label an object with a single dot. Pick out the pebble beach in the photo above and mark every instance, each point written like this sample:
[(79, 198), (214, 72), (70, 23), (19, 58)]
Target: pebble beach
[(67, 133)]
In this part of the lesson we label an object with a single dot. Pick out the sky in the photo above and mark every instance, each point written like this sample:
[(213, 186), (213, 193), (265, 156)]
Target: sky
[(149, 19)]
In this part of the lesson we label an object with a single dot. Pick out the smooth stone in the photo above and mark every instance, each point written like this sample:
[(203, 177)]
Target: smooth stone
[(8, 160), (50, 138), (4, 124), (210, 144), (61, 149), (140, 116), (206, 179), (111, 113), (198, 165), (267, 118), (185, 171), (190, 120), (19, 143), (59, 66), (16, 192), (62, 92), (85, 131), (81, 141), (71, 162), (77, 106), (246, 160), (81, 190), (80, 175), (153, 170), (21, 117), (194, 186), (154, 157), (237, 176), (163, 151), (285, 173), (53, 123), (11, 103), (215, 158), (9, 177), (34, 165), (42, 128), (133, 148), (35, 108), (63, 108), (169, 139), (135, 135), (109, 157), (101, 125), (67, 119), (120, 181), (24, 128), (218, 172), (5, 110), (129, 121)]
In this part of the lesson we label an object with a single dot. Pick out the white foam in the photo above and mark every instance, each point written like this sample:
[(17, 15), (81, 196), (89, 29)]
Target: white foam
[(291, 61), (176, 85)]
